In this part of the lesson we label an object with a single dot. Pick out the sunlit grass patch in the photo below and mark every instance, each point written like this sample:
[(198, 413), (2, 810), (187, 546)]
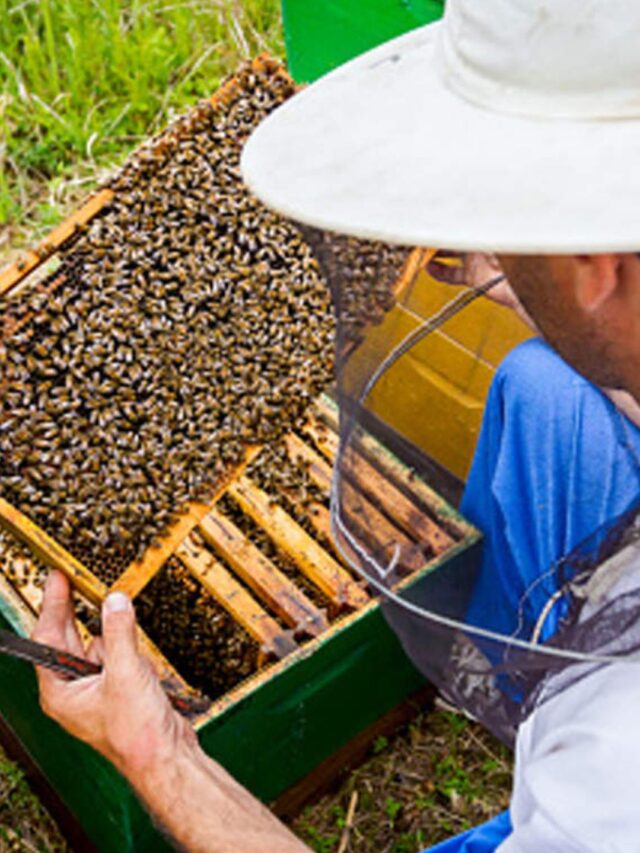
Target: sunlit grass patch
[(24, 824), (83, 81)]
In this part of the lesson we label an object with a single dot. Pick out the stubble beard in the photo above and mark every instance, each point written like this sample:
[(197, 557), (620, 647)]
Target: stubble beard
[(579, 339)]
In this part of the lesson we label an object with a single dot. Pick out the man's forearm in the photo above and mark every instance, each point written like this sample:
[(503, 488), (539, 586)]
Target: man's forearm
[(206, 811)]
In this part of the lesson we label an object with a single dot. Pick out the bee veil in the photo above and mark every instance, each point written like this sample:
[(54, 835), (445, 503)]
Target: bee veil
[(495, 647)]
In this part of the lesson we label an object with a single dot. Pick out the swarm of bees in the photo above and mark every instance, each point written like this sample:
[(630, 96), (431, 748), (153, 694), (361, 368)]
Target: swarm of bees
[(188, 322), (288, 481), (362, 276), (19, 565), (182, 618)]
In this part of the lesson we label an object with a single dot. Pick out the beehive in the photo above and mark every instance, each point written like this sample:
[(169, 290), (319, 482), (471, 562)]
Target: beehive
[(258, 555)]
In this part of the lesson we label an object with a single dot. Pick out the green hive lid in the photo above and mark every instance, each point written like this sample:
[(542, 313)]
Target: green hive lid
[(323, 34)]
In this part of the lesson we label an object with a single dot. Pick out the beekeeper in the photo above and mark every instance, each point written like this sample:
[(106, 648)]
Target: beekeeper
[(509, 127)]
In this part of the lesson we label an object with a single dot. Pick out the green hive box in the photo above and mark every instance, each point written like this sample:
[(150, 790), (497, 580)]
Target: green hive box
[(270, 732), (322, 34)]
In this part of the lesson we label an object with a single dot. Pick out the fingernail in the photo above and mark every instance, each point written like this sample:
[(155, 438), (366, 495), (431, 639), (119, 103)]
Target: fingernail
[(116, 602)]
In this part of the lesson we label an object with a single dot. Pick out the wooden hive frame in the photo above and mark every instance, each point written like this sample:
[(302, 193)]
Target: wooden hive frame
[(226, 590), (256, 585)]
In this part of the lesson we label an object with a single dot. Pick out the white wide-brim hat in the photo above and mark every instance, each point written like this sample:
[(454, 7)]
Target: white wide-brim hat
[(511, 125)]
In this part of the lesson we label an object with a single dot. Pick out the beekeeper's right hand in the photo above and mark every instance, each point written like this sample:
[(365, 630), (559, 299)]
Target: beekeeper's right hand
[(122, 712)]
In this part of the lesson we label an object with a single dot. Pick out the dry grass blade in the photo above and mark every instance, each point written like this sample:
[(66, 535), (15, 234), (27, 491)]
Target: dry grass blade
[(348, 823)]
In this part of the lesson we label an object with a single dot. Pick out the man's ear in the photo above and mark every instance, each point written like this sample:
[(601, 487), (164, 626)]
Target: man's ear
[(596, 280)]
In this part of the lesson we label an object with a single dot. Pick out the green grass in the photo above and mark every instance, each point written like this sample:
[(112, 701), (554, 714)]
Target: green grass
[(82, 82), (24, 823), (437, 777)]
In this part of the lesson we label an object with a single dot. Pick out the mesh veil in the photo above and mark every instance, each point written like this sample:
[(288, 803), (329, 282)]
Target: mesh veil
[(387, 319)]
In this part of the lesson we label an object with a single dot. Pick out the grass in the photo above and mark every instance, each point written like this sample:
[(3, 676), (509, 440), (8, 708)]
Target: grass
[(434, 778), (25, 826), (82, 82), (437, 777)]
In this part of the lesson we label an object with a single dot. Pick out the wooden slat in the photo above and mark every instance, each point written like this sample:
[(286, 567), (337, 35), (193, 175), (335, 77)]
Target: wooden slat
[(328, 575), (235, 599), (25, 614), (319, 470), (393, 469), (51, 553), (360, 511), (319, 518), (261, 575), (139, 573), (22, 573), (375, 484), (32, 595), (27, 597), (324, 437), (16, 272)]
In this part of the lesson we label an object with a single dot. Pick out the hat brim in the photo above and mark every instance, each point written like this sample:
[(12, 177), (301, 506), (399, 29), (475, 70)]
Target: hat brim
[(382, 149)]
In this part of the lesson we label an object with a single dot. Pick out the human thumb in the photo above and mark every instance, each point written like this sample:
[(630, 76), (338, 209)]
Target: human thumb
[(119, 635)]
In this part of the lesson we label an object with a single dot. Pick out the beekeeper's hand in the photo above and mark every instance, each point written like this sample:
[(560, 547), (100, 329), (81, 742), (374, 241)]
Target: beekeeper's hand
[(122, 712)]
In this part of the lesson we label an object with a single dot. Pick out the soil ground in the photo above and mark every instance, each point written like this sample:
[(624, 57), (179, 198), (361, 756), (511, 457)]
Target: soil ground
[(25, 825)]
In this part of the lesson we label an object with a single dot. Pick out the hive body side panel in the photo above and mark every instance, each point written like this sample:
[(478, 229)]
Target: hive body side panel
[(95, 794), (279, 733)]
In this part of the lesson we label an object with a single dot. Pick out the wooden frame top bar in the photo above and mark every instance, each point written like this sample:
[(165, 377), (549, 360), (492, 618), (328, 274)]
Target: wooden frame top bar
[(51, 553), (139, 573), (16, 272), (236, 600)]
